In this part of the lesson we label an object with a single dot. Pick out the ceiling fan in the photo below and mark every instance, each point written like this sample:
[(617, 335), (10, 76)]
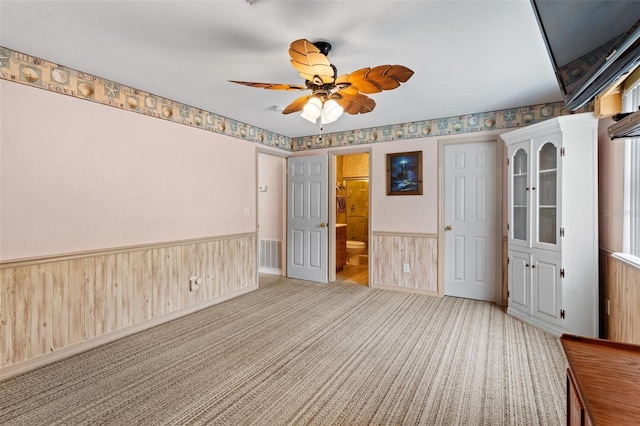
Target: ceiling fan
[(331, 95)]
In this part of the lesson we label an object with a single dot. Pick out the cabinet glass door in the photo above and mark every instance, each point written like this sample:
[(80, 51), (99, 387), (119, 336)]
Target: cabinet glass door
[(547, 195), (520, 196)]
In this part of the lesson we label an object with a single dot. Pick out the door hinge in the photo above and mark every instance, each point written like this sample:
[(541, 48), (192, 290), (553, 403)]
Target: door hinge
[(562, 313), (508, 294), (507, 162), (561, 273), (562, 152), (562, 232), (508, 261), (507, 226)]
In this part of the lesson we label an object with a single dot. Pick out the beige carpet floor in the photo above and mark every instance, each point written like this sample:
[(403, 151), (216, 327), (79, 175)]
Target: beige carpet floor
[(295, 352)]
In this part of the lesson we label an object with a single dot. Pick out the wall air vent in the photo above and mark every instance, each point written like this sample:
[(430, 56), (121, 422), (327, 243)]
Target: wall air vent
[(628, 127)]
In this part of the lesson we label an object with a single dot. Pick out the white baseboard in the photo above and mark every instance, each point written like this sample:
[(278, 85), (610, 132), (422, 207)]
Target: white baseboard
[(32, 364), (270, 271)]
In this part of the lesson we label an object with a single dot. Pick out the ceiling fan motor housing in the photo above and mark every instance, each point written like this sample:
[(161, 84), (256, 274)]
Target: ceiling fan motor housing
[(323, 46)]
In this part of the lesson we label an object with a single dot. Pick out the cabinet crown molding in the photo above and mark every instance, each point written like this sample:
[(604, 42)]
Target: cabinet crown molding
[(562, 124)]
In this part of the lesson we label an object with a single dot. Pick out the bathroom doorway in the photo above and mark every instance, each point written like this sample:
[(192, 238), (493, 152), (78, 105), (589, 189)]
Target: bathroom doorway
[(352, 218)]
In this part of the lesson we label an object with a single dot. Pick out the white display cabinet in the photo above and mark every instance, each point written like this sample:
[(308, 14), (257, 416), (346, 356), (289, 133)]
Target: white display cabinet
[(553, 224)]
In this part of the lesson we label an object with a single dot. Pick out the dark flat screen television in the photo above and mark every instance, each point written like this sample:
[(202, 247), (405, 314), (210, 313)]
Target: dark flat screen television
[(591, 43)]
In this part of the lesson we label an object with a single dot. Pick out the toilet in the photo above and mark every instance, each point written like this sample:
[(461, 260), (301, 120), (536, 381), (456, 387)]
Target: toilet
[(354, 248)]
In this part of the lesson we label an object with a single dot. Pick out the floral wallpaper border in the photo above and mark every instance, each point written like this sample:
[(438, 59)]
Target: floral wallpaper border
[(21, 68)]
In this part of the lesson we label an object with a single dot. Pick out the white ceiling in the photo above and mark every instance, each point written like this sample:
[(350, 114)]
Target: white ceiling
[(468, 56)]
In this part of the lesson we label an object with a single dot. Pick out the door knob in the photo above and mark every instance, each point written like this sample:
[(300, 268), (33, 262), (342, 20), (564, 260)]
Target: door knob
[(323, 225), (448, 228)]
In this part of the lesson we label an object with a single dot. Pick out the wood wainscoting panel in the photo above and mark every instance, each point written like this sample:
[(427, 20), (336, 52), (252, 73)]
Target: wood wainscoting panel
[(391, 251), (75, 304), (622, 289), (604, 276), (50, 304), (624, 294)]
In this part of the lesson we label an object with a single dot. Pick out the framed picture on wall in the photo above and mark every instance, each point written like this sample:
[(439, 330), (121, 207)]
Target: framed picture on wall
[(404, 173)]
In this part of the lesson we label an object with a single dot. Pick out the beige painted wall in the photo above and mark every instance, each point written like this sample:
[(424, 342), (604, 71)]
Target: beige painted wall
[(77, 175), (610, 188), (405, 213), (272, 171)]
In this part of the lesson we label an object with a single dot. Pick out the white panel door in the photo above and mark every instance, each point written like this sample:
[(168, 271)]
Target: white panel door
[(308, 230), (470, 220)]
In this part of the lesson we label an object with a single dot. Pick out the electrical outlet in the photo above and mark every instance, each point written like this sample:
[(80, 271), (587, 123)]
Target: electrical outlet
[(194, 283), (405, 267)]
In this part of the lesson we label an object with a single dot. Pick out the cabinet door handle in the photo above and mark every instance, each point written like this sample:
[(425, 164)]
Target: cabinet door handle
[(533, 266), (526, 265), (534, 188)]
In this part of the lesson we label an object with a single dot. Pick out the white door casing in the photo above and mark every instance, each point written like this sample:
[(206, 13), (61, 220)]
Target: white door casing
[(307, 218), (470, 220)]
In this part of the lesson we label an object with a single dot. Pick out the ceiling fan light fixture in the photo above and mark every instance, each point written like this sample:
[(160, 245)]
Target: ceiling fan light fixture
[(321, 77), (331, 111), (312, 109)]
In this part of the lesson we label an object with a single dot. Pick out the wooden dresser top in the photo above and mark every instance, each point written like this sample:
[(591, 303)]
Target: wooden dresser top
[(607, 375)]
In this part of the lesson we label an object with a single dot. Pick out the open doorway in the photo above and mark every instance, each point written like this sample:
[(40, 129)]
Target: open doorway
[(352, 218), (272, 170)]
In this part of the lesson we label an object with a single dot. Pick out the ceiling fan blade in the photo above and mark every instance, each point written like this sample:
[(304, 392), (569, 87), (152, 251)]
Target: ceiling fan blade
[(296, 105), (355, 104), (270, 86), (377, 79), (310, 63)]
